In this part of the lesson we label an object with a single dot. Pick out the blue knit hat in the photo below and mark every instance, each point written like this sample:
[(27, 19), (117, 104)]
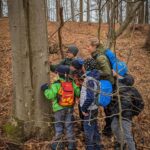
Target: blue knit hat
[(120, 68), (62, 69), (77, 63)]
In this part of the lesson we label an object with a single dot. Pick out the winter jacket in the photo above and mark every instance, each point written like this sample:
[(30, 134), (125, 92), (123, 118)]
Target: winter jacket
[(88, 91), (65, 61), (103, 63), (131, 100), (51, 94)]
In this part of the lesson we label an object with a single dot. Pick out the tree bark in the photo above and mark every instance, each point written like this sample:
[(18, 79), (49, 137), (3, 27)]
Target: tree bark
[(1, 9), (146, 12), (88, 10), (28, 28), (108, 10), (120, 14), (141, 14), (81, 10), (72, 10), (57, 10)]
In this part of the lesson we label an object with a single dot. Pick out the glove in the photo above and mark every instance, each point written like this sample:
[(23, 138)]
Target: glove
[(44, 86)]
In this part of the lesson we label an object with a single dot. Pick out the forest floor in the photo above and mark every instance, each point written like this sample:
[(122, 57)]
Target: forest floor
[(130, 47)]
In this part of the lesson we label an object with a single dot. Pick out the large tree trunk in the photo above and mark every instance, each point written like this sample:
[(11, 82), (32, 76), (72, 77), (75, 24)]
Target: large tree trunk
[(28, 28), (120, 14), (81, 10), (1, 8)]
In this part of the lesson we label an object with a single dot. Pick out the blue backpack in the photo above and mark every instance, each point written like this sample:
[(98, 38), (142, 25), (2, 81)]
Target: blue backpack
[(104, 98), (118, 66)]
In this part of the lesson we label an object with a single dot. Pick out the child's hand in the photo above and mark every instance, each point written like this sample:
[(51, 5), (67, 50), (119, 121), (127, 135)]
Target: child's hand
[(77, 100), (85, 114), (44, 86)]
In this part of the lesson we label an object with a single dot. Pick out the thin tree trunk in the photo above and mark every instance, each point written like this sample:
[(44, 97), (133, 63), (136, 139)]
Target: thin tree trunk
[(72, 10), (146, 12), (120, 15), (59, 32), (108, 10), (100, 19), (1, 8), (141, 14), (81, 10), (88, 10), (57, 10), (30, 70)]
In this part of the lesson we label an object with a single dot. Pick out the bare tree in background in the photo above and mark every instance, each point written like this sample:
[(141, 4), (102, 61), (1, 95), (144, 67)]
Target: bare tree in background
[(1, 8), (58, 10), (108, 11), (88, 10), (72, 10), (81, 10), (141, 14), (146, 12)]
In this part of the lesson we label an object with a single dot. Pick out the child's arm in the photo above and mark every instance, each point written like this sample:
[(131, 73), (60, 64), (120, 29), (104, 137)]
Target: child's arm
[(54, 66), (76, 90), (89, 96), (51, 92)]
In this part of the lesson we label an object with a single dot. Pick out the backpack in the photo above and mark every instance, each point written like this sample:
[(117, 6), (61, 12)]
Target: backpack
[(66, 94), (106, 89), (118, 66)]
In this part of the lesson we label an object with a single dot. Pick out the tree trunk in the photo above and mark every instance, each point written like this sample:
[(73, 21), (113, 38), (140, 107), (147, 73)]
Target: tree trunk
[(120, 14), (88, 10), (141, 14), (1, 8), (30, 69), (108, 10), (72, 10), (57, 10), (81, 10), (146, 12)]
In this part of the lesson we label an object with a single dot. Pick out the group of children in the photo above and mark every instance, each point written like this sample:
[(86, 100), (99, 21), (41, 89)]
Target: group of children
[(78, 82)]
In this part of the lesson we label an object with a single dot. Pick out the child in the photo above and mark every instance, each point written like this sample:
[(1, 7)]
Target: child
[(62, 112), (77, 70), (97, 52), (71, 54), (89, 108), (131, 105)]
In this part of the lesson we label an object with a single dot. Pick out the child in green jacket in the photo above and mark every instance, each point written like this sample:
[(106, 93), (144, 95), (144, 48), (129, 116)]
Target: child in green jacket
[(63, 114)]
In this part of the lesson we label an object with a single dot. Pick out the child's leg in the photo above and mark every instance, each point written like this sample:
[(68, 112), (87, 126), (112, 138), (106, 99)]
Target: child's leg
[(97, 138), (92, 136), (127, 136), (59, 129), (127, 127), (69, 128)]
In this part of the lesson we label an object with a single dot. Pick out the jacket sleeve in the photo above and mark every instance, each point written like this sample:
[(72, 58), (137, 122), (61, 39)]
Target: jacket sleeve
[(137, 101), (54, 66), (51, 93), (104, 64), (89, 96), (76, 90)]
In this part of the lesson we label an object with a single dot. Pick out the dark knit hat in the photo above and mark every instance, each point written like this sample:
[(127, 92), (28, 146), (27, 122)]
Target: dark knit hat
[(72, 49), (90, 64), (62, 69), (77, 63)]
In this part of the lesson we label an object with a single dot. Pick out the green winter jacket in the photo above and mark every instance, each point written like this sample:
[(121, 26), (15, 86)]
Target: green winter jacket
[(51, 94), (65, 61), (103, 63)]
